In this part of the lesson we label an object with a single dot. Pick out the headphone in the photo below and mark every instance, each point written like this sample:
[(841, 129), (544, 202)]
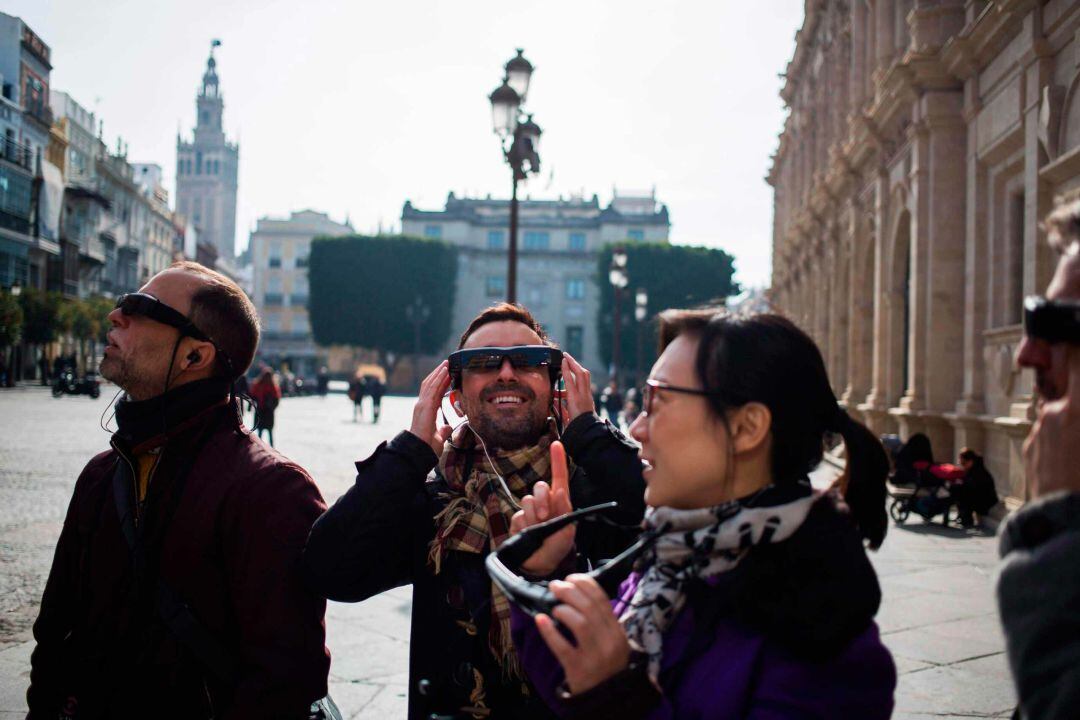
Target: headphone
[(194, 357)]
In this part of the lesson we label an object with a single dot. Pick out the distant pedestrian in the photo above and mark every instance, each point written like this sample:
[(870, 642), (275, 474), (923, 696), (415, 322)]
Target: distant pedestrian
[(976, 493), (176, 591), (612, 401), (267, 395), (1039, 583), (357, 388), (322, 381), (375, 388)]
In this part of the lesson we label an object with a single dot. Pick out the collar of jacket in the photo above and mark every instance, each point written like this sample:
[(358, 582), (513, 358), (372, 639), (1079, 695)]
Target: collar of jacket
[(143, 425)]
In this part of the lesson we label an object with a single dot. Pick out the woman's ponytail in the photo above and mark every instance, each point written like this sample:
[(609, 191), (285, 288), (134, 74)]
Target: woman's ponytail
[(863, 481)]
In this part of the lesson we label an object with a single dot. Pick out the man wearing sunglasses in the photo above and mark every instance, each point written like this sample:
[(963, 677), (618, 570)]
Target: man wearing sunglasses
[(1039, 583), (430, 505), (176, 589)]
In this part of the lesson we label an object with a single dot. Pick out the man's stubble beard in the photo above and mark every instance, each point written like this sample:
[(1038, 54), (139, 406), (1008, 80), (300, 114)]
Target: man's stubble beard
[(511, 433), (125, 374)]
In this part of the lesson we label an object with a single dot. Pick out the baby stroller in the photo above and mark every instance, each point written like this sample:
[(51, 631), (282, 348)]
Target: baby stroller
[(918, 485)]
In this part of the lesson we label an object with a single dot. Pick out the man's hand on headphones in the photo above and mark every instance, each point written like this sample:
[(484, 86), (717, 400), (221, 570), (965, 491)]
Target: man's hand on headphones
[(579, 397), (426, 411), (545, 503)]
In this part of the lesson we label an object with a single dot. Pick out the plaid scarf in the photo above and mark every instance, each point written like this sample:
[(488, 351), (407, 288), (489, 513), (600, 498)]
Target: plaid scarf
[(477, 515), (702, 543)]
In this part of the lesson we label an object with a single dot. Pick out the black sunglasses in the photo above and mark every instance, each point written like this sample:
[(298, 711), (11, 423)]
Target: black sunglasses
[(149, 306), (1054, 321), (487, 359), (504, 565)]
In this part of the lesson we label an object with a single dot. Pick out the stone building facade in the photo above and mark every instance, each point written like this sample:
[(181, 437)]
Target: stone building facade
[(926, 140), (558, 245), (279, 250)]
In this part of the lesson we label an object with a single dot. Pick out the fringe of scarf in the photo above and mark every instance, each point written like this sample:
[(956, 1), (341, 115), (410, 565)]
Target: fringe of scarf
[(476, 518)]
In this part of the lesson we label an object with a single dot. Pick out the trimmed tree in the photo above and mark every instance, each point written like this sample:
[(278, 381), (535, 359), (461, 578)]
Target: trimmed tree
[(11, 321), (362, 285), (675, 276)]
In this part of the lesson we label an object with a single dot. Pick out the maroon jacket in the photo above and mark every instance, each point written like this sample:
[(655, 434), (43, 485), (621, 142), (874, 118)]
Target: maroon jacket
[(231, 551)]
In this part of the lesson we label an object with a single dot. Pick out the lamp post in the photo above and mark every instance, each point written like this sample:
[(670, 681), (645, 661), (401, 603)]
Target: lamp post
[(641, 311), (417, 313), (15, 356), (619, 279), (520, 140)]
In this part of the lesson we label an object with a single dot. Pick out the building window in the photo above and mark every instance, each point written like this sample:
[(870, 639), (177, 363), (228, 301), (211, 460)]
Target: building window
[(298, 299), (198, 163), (575, 289), (301, 327), (635, 235), (495, 286), (535, 240), (575, 340), (275, 262), (272, 321), (496, 240), (301, 261), (433, 231), (577, 242)]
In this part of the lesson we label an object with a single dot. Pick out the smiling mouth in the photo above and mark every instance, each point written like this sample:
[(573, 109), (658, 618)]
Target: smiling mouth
[(507, 400)]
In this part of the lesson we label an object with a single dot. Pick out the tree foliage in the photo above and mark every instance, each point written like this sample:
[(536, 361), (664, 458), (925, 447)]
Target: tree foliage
[(11, 320), (44, 317), (362, 285), (675, 276)]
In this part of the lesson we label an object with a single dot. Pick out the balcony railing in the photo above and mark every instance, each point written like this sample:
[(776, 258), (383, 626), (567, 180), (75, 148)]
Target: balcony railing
[(16, 152)]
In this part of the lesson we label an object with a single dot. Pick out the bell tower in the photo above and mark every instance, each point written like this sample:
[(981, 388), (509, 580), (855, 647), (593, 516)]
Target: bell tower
[(206, 168)]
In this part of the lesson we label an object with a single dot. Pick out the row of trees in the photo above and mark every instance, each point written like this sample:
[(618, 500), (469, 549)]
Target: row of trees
[(40, 318), (675, 276), (362, 287)]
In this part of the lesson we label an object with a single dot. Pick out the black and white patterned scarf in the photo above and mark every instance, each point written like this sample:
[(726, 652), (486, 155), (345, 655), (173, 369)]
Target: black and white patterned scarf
[(702, 543)]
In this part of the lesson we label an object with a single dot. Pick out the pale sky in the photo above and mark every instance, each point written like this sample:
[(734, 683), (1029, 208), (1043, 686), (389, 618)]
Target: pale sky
[(353, 107)]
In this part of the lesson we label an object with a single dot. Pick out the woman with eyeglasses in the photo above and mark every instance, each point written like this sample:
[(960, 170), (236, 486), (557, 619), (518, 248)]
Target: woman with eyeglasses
[(757, 598)]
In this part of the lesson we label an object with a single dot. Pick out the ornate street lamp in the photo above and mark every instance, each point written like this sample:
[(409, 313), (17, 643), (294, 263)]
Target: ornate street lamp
[(520, 141), (619, 279), (641, 311)]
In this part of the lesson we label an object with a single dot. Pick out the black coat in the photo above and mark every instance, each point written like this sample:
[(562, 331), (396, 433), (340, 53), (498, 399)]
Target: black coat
[(376, 537)]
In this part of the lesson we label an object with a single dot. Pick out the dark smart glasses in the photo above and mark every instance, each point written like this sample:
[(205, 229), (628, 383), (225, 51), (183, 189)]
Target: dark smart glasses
[(522, 357), (1053, 321), (504, 565), (149, 306)]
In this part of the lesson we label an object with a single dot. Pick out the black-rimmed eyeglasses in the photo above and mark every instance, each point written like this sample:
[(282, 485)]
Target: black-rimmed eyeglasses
[(651, 386)]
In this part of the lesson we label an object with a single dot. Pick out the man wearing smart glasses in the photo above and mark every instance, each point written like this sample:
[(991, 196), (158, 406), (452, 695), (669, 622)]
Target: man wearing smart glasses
[(428, 507), (176, 589), (1039, 583)]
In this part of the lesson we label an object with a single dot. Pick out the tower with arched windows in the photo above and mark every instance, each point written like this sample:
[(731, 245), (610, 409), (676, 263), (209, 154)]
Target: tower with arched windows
[(206, 169)]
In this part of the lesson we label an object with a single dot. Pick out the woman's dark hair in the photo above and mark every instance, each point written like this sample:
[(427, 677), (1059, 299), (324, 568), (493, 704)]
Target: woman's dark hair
[(765, 358)]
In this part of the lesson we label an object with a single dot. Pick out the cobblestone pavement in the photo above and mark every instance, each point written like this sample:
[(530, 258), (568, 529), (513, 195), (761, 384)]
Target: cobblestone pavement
[(937, 617)]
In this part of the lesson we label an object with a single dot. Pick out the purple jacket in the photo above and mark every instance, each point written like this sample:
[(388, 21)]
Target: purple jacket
[(781, 645)]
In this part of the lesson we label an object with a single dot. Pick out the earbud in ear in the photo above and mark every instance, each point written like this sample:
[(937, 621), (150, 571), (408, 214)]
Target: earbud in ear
[(194, 357), (455, 400)]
